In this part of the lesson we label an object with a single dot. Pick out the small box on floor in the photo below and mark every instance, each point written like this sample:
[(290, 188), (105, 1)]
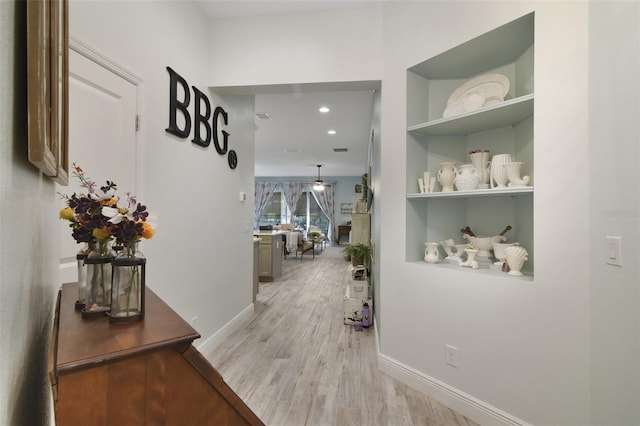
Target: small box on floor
[(353, 307), (358, 272), (359, 289)]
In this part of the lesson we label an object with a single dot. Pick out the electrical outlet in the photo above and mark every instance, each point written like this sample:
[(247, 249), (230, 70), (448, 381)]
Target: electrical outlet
[(451, 355)]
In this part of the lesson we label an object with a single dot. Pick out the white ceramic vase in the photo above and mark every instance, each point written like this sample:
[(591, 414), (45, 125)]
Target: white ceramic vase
[(480, 161), (466, 178), (447, 175), (459, 251), (498, 172), (516, 256), (513, 170), (431, 252), (498, 252), (470, 262), (447, 245)]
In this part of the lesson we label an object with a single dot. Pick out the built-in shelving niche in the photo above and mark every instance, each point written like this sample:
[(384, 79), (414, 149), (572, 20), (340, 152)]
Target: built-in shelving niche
[(502, 128)]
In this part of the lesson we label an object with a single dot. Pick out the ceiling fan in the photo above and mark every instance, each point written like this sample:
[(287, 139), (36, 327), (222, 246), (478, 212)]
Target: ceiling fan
[(318, 185)]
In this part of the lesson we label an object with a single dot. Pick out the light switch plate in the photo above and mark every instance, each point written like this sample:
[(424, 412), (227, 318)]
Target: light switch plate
[(614, 250)]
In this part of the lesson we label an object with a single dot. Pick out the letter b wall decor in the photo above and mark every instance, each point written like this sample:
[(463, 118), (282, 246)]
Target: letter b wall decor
[(201, 116)]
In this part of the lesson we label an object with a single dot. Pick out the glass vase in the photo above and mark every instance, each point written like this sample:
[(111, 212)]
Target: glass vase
[(128, 286), (82, 274), (98, 290)]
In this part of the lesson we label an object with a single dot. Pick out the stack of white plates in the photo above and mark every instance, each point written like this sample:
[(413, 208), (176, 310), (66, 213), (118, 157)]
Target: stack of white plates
[(479, 92)]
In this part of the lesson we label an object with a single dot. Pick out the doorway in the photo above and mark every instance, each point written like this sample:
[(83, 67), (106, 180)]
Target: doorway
[(103, 104)]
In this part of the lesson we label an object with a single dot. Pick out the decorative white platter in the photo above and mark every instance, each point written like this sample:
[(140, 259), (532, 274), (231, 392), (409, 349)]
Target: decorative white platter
[(479, 92)]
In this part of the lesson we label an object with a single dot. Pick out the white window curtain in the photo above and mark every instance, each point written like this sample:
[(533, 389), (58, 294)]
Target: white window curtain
[(264, 191), (292, 192), (325, 201)]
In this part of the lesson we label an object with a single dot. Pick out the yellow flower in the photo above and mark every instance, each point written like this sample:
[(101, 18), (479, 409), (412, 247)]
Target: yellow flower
[(101, 233), (147, 231), (66, 213)]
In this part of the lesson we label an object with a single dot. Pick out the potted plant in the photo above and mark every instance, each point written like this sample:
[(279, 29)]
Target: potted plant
[(365, 186), (358, 254)]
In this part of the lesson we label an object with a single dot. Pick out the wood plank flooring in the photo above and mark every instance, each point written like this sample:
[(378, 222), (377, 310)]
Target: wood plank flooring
[(297, 364)]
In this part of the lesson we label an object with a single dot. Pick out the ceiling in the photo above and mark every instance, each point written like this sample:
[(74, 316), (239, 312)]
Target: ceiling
[(294, 140), (242, 8)]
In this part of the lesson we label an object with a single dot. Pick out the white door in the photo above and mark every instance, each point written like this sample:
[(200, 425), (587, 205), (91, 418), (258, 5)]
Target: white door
[(102, 138)]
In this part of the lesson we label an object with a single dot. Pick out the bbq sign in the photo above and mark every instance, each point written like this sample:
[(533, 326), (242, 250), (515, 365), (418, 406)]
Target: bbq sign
[(201, 116)]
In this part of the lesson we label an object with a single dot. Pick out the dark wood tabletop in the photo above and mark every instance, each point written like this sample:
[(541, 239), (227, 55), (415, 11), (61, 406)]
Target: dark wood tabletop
[(84, 343)]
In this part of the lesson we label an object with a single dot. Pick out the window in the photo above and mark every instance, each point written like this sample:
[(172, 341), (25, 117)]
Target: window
[(307, 213), (276, 211)]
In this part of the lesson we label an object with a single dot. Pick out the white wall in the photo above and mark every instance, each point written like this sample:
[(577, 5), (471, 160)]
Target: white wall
[(526, 349), (318, 47), (197, 259), (523, 347), (28, 242), (614, 131)]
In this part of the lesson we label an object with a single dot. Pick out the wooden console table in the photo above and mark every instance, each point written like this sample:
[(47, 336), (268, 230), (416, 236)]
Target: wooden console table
[(140, 373)]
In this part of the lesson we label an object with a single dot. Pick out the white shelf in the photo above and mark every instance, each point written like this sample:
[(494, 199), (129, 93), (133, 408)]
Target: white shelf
[(506, 192), (499, 46), (507, 113), (505, 127), (527, 277)]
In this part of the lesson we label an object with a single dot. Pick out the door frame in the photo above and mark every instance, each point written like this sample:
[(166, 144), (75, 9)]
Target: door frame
[(94, 55)]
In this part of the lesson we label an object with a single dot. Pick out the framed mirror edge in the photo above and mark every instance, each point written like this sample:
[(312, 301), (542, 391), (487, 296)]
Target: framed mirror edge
[(48, 87)]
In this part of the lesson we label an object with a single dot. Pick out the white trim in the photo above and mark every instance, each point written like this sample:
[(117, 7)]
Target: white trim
[(94, 55), (90, 53), (467, 405), (238, 322)]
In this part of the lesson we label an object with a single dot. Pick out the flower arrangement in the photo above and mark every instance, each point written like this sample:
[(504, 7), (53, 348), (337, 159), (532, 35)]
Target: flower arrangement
[(100, 214), (98, 217)]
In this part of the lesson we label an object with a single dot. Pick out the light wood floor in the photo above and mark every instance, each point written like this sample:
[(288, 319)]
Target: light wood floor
[(297, 364)]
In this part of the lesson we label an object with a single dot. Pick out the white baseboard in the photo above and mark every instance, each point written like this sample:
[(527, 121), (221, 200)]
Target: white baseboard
[(470, 407), (239, 321)]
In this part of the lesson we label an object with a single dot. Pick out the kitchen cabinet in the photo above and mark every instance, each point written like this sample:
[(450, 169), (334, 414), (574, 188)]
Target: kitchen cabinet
[(271, 249)]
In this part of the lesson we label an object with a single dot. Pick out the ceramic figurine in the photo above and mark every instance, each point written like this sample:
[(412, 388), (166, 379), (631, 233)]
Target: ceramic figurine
[(513, 170), (498, 172), (516, 256), (447, 245), (431, 252), (471, 251), (480, 160), (498, 252), (447, 175), (467, 178)]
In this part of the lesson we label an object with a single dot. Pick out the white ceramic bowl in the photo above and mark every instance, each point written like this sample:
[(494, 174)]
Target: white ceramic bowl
[(484, 244)]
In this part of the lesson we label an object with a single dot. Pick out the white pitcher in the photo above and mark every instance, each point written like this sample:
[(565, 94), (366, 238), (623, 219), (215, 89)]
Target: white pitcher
[(498, 172), (480, 161), (447, 175), (431, 252)]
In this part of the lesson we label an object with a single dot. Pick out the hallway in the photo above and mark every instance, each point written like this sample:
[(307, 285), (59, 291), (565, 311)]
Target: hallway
[(296, 363)]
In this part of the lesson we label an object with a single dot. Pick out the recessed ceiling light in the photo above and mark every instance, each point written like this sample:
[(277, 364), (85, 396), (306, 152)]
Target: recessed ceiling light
[(332, 132), (292, 150), (324, 109)]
